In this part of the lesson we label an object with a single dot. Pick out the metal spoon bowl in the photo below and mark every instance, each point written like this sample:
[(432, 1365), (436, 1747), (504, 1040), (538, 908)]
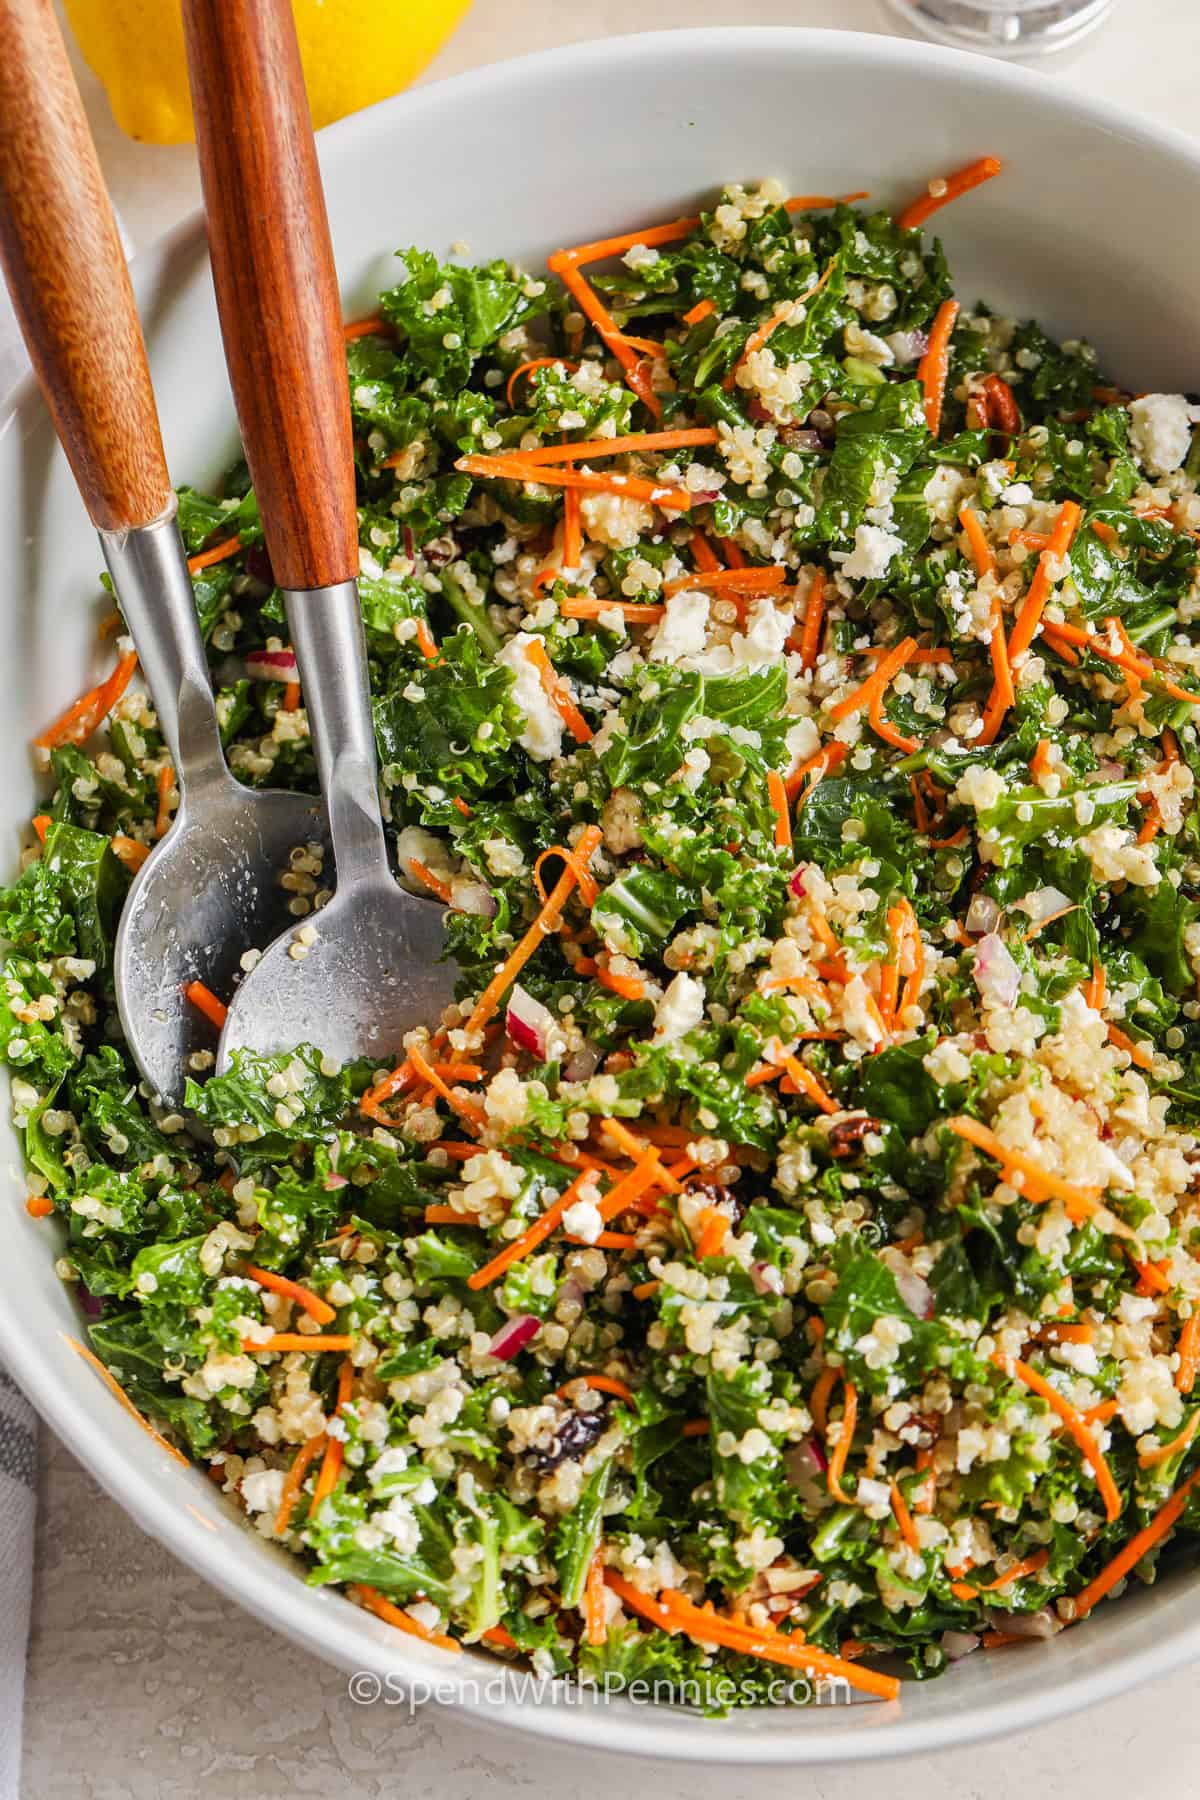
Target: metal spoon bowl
[(368, 967)]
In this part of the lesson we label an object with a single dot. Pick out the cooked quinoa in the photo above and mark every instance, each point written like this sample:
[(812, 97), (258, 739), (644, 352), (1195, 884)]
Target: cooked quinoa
[(796, 1215)]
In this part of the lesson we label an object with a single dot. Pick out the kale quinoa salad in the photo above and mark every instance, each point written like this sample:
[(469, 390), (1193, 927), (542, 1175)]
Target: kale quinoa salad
[(784, 1256)]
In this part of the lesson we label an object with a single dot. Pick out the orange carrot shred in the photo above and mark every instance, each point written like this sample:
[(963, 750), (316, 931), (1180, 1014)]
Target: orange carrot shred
[(814, 619), (1035, 602), (428, 879), (206, 1002), (961, 182), (311, 1303), (934, 366), (841, 1450), (548, 919), (557, 692), (529, 1240), (39, 1206), (86, 714), (703, 309), (383, 1609), (904, 1519), (294, 1480), (777, 792), (629, 487), (759, 336), (538, 362), (1189, 1353), (1136, 1548), (1016, 1370), (118, 1392), (204, 559), (166, 789), (282, 1342)]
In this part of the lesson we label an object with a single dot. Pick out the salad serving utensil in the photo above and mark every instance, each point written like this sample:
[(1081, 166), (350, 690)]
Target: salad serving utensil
[(210, 889), (368, 967)]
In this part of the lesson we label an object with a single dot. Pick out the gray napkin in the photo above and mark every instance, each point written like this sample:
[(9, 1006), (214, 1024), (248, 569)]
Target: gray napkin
[(18, 1466)]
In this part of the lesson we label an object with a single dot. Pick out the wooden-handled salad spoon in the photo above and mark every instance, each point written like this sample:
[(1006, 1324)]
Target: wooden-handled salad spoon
[(368, 967), (209, 890)]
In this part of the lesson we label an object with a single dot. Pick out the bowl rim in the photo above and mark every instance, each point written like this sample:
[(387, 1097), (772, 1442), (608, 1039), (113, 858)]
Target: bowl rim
[(349, 1639)]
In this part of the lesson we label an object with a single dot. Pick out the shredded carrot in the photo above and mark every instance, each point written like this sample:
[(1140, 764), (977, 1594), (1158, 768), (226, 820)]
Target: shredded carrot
[(588, 887), (1016, 1370), (1189, 1353), (284, 1341), (557, 692), (1028, 540), (547, 920), (39, 1206), (934, 366), (41, 824), (671, 1611), (1034, 604), (204, 559), (85, 715), (594, 1591), (904, 1519), (428, 879), (587, 450), (942, 192), (529, 1240), (496, 1634), (293, 1481), (981, 550), (166, 790), (572, 530), (1039, 764), (818, 766), (206, 1002), (883, 727), (629, 487), (876, 683), (1136, 1548), (1164, 1452), (374, 1601), (806, 1082), (629, 987), (565, 264), (335, 1455), (814, 620), (360, 328), (714, 1229), (449, 1215), (118, 1392), (697, 1428), (469, 1111), (1038, 1185), (777, 793), (1003, 692), (1094, 989), (841, 1450), (311, 1303), (645, 1290), (703, 309), (759, 336), (129, 851), (1136, 1052), (538, 362), (602, 1384), (631, 611), (738, 581), (1152, 1277)]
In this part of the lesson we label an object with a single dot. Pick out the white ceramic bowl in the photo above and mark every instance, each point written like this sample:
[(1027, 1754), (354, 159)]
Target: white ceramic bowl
[(1090, 228)]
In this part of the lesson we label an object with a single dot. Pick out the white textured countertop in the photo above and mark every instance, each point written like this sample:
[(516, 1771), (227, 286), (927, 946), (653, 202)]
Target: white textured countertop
[(143, 1683)]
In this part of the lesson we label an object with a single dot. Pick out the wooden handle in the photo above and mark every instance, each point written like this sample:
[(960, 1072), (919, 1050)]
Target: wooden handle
[(276, 285), (66, 272)]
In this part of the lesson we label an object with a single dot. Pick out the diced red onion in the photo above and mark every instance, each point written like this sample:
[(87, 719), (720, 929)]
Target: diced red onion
[(766, 1277), (410, 543), (916, 1293), (440, 550), (805, 1461), (1108, 770), (1043, 903), (271, 665), (468, 896), (802, 440), (91, 1305), (983, 914), (996, 974), (958, 1644), (583, 1063), (513, 1335), (333, 1182), (908, 346), (528, 1023), (1043, 1624), (797, 882)]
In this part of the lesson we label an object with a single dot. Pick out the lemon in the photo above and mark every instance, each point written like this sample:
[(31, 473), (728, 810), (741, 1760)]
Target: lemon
[(354, 52)]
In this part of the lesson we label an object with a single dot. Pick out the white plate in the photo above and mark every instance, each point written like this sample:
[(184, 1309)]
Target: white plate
[(1091, 228)]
